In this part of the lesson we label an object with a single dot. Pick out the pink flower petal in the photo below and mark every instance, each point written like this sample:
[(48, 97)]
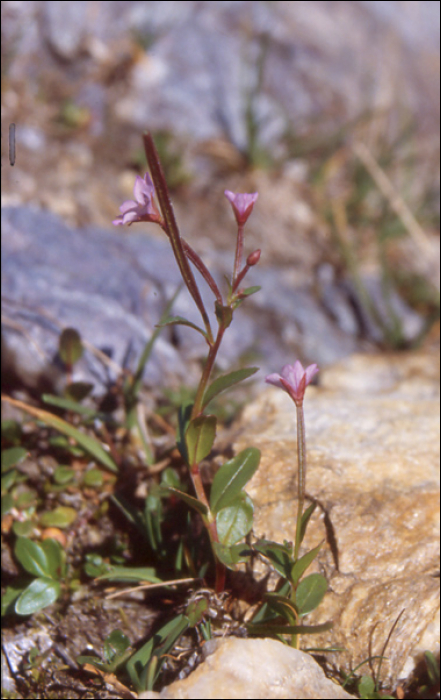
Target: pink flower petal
[(294, 379)]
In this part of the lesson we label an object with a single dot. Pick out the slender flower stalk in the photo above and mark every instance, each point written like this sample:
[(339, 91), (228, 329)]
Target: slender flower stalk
[(294, 379), (242, 207)]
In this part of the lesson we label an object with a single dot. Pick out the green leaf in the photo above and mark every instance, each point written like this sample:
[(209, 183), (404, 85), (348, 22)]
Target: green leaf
[(77, 391), (264, 613), (305, 520), (432, 667), (89, 444), (8, 599), (195, 611), (93, 478), (184, 415), (199, 438), (11, 457), (232, 477), (62, 516), (32, 557), (55, 557), (310, 593), (131, 573), (224, 314), (231, 556), (63, 475), (280, 556), (11, 431), (38, 595), (130, 512), (189, 500), (23, 529), (115, 646), (302, 564), (250, 290), (236, 520), (93, 661), (283, 606), (153, 515), (70, 347), (224, 382), (158, 645), (68, 405), (179, 320), (170, 477), (7, 504), (366, 687)]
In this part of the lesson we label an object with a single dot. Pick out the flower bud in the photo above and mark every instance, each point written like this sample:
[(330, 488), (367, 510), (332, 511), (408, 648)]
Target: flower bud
[(253, 258)]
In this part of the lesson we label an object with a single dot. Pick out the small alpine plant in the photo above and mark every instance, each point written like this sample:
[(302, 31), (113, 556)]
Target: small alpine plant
[(227, 512), (294, 596)]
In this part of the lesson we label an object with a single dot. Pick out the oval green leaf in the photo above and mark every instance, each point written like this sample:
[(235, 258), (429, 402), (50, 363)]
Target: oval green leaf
[(227, 380), (310, 593), (199, 438), (70, 347), (11, 457), (230, 556), (232, 477), (32, 557), (93, 478), (235, 521), (62, 516), (38, 595), (63, 474), (55, 556)]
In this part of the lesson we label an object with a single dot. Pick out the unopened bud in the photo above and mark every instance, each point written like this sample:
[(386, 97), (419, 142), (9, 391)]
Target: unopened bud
[(253, 258)]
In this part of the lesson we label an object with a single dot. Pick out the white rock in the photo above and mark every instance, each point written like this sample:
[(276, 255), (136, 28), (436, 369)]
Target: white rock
[(254, 668)]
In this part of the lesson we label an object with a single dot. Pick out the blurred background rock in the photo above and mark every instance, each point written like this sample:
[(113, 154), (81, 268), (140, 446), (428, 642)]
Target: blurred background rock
[(330, 110)]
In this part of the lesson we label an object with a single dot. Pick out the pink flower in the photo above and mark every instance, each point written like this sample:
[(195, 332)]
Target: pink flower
[(143, 208), (294, 380), (242, 205)]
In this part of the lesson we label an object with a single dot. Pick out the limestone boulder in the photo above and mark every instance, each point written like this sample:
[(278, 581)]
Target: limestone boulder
[(372, 427), (253, 668)]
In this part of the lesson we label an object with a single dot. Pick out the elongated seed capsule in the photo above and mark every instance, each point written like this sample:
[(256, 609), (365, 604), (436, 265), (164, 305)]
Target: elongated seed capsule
[(12, 144)]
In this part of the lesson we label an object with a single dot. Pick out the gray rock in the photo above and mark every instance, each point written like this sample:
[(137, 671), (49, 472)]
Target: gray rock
[(93, 280), (113, 285)]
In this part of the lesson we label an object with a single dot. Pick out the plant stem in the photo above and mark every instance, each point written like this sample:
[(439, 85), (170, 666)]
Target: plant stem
[(239, 253), (301, 475), (197, 406)]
